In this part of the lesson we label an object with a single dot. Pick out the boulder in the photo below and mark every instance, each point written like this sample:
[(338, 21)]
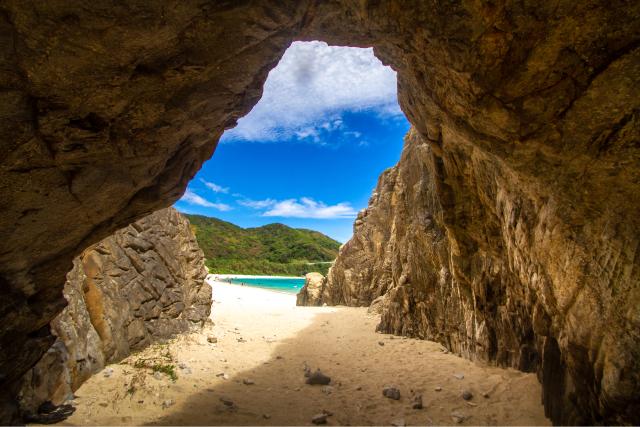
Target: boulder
[(311, 292)]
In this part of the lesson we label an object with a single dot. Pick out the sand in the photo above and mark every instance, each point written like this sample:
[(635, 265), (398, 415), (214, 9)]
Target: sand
[(263, 337)]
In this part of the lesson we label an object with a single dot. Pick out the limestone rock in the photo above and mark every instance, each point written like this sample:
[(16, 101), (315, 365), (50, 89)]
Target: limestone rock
[(311, 292), (143, 283)]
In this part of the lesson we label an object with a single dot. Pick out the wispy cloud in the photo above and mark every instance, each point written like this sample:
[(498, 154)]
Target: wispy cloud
[(215, 187), (257, 204), (310, 89), (309, 208), (193, 199)]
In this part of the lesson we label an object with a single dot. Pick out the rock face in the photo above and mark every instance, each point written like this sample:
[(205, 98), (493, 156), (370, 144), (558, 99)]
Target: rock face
[(143, 283), (311, 292), (496, 289), (108, 109)]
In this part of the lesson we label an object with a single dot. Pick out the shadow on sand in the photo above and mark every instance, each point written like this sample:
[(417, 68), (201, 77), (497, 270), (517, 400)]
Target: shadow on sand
[(360, 363)]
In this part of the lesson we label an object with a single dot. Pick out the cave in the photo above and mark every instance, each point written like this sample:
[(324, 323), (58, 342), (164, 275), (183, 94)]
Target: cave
[(525, 118)]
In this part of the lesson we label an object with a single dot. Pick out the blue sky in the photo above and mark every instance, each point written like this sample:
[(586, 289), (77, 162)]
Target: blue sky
[(310, 152)]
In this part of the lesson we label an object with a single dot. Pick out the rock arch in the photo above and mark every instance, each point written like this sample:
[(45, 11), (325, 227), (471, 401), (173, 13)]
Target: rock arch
[(108, 109)]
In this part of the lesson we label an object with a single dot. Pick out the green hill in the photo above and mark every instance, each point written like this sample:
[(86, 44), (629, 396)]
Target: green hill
[(271, 249)]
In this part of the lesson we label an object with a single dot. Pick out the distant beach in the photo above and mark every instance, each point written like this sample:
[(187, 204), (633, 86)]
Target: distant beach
[(287, 284)]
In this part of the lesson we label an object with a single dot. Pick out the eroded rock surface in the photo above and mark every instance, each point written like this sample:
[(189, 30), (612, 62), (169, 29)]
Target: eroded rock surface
[(143, 283), (496, 289), (311, 292), (109, 108)]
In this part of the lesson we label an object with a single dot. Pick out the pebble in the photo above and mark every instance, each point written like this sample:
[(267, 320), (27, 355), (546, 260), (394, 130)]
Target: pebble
[(320, 418), (459, 376), (467, 395), (157, 375), (399, 422), (108, 372), (438, 388), (485, 395), (241, 340), (167, 403), (458, 417), (266, 416), (223, 376), (416, 402), (318, 378), (248, 381), (391, 393), (359, 388), (226, 401), (327, 389), (380, 343), (279, 357), (212, 339)]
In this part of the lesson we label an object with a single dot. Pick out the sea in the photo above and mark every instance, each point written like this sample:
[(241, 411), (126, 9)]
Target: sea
[(289, 285)]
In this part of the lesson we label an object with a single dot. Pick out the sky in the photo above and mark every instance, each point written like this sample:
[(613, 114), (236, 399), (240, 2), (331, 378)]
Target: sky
[(310, 152)]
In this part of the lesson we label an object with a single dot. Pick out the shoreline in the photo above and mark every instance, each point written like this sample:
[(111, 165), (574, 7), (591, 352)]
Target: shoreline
[(212, 282), (250, 276)]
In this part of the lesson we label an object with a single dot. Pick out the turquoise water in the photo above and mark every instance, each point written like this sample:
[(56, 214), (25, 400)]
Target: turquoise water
[(292, 286)]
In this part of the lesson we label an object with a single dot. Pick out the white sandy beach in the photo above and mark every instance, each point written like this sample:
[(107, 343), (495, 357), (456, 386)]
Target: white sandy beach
[(264, 338)]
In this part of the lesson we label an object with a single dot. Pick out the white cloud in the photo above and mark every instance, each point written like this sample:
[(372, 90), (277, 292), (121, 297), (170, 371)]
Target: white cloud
[(309, 208), (257, 204), (193, 199), (311, 87), (215, 187)]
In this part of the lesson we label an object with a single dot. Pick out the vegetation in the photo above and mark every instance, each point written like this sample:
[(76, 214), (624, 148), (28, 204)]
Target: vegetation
[(268, 250)]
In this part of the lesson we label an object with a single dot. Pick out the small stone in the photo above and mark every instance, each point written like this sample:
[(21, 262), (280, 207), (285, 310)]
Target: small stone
[(485, 395), (459, 376), (416, 402), (266, 416), (327, 389), (467, 395), (248, 381), (108, 372), (458, 417), (359, 388), (157, 375), (319, 418), (182, 365), (226, 401), (380, 343), (438, 388), (318, 378), (167, 403), (212, 339), (391, 393), (398, 422), (223, 376), (279, 357), (241, 340)]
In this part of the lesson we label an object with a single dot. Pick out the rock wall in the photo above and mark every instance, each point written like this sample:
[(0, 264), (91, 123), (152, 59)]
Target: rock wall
[(143, 283), (109, 108), (489, 276)]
